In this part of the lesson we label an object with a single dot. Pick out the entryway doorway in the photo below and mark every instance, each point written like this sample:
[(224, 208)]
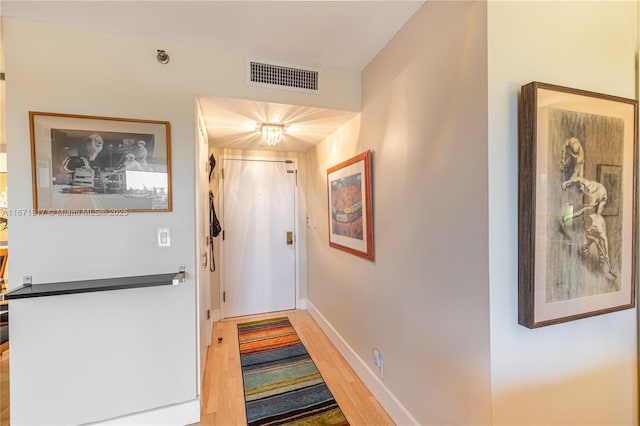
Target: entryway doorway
[(259, 204)]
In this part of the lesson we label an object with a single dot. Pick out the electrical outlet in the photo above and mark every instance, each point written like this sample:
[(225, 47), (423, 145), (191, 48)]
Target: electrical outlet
[(379, 362), (312, 222)]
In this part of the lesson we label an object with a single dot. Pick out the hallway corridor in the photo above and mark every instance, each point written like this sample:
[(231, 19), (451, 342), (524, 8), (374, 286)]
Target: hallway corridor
[(223, 399)]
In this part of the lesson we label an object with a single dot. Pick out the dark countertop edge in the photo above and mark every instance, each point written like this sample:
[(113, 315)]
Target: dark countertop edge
[(89, 286)]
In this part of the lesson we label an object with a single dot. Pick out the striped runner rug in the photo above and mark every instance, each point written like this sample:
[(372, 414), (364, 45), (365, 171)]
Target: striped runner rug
[(282, 385)]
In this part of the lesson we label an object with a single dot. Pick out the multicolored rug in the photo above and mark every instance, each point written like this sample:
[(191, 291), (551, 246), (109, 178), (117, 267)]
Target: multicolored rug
[(282, 385)]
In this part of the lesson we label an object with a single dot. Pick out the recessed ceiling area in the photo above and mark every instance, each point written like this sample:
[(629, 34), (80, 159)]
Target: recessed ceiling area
[(235, 123)]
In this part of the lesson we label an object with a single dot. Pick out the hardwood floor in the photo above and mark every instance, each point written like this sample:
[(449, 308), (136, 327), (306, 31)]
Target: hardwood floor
[(222, 395), (4, 389)]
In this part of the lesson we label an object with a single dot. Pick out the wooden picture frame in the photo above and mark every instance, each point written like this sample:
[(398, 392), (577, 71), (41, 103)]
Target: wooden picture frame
[(4, 256), (576, 256), (4, 259), (350, 205), (99, 165)]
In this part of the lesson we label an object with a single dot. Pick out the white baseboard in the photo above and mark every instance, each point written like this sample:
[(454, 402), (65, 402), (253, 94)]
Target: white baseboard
[(302, 304), (185, 413), (398, 413), (215, 315)]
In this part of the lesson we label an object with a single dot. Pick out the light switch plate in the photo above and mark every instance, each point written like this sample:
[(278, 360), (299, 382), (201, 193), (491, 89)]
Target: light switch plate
[(164, 237)]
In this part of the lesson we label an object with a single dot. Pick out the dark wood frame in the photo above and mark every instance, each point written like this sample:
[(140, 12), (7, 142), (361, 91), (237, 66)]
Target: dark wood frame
[(41, 147), (361, 162), (531, 145)]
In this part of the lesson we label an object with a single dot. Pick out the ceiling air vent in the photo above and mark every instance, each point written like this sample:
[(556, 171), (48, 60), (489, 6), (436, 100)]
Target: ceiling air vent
[(277, 75)]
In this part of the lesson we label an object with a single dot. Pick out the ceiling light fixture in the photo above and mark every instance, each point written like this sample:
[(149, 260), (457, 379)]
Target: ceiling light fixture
[(272, 133)]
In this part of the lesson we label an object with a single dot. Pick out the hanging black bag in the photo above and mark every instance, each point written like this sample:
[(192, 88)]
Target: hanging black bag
[(214, 229), (213, 219)]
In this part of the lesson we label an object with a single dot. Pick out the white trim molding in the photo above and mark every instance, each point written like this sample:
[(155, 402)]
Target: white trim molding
[(215, 315), (398, 412), (185, 413)]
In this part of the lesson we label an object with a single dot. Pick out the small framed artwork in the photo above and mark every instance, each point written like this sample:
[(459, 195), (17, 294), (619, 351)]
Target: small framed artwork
[(350, 206), (4, 257), (576, 204), (99, 165)]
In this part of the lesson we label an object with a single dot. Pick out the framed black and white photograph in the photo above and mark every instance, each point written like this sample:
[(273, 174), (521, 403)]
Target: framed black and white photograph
[(351, 206), (576, 204), (83, 164)]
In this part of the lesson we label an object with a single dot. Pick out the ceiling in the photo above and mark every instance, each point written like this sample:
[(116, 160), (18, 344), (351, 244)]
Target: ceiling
[(233, 123), (344, 34)]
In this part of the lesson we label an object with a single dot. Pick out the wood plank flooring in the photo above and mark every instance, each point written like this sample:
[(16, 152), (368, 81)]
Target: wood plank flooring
[(4, 389), (222, 395)]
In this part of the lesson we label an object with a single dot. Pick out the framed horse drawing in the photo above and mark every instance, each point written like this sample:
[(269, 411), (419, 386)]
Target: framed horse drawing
[(576, 204)]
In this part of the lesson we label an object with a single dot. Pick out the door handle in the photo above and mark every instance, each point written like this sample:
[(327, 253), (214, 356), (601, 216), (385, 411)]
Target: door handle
[(289, 238)]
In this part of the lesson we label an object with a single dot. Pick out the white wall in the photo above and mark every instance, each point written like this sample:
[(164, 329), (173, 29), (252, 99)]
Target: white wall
[(424, 302), (585, 371), (63, 70)]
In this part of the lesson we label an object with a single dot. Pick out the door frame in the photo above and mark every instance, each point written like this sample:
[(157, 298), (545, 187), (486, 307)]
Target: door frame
[(202, 276), (296, 224)]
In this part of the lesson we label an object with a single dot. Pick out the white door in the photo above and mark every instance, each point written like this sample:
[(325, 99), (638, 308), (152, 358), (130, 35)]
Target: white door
[(203, 276), (258, 241)]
